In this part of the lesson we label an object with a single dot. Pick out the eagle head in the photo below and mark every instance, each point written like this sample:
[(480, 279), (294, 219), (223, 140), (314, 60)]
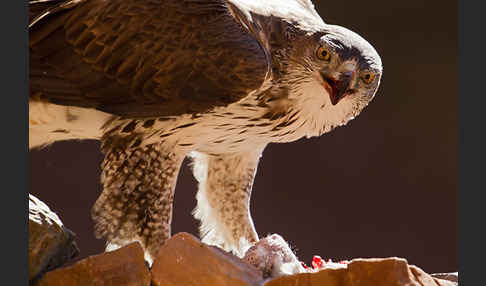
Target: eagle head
[(333, 74)]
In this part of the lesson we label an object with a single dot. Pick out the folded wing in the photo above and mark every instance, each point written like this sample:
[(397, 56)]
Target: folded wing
[(142, 58)]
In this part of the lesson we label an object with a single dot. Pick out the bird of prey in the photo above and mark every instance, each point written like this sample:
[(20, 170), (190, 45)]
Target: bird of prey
[(214, 80)]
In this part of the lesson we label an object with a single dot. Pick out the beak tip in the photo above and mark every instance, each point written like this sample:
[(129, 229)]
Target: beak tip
[(334, 100), (336, 87)]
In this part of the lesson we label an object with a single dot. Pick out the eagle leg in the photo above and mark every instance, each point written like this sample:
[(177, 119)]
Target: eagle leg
[(223, 199), (138, 193)]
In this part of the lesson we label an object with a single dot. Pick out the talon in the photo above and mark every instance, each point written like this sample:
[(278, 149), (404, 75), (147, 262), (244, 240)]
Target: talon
[(305, 265)]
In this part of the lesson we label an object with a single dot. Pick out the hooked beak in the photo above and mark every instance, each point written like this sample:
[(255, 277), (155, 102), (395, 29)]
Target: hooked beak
[(337, 88)]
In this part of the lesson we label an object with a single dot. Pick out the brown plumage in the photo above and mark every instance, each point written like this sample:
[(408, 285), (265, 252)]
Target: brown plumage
[(130, 58), (216, 80)]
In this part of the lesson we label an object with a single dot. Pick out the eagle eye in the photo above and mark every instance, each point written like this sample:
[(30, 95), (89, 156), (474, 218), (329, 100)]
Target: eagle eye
[(323, 54), (368, 77)]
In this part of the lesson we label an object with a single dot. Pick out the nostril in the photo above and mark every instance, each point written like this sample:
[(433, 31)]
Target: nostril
[(330, 81), (350, 91)]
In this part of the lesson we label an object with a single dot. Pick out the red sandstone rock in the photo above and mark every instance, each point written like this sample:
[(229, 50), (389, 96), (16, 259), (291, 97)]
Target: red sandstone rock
[(50, 243), (453, 276), (184, 260), (123, 267), (364, 272)]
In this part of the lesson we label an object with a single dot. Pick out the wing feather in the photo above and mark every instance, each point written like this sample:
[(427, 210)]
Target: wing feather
[(143, 58)]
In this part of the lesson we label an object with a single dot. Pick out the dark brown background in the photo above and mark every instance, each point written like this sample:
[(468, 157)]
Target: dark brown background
[(384, 185)]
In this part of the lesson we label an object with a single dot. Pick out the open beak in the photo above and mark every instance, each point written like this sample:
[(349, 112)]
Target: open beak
[(337, 88)]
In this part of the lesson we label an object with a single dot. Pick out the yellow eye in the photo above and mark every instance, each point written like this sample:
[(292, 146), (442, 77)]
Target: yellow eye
[(323, 54), (368, 77)]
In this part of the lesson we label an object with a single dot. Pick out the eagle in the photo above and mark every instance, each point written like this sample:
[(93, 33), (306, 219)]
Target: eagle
[(156, 81)]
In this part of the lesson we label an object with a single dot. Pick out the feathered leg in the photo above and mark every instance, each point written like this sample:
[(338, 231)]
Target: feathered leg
[(138, 192), (223, 199)]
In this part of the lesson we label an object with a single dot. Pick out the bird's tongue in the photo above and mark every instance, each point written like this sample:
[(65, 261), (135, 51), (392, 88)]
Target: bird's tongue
[(332, 88)]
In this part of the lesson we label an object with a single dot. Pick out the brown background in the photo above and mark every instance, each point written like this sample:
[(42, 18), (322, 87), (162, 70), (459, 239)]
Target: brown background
[(384, 185)]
